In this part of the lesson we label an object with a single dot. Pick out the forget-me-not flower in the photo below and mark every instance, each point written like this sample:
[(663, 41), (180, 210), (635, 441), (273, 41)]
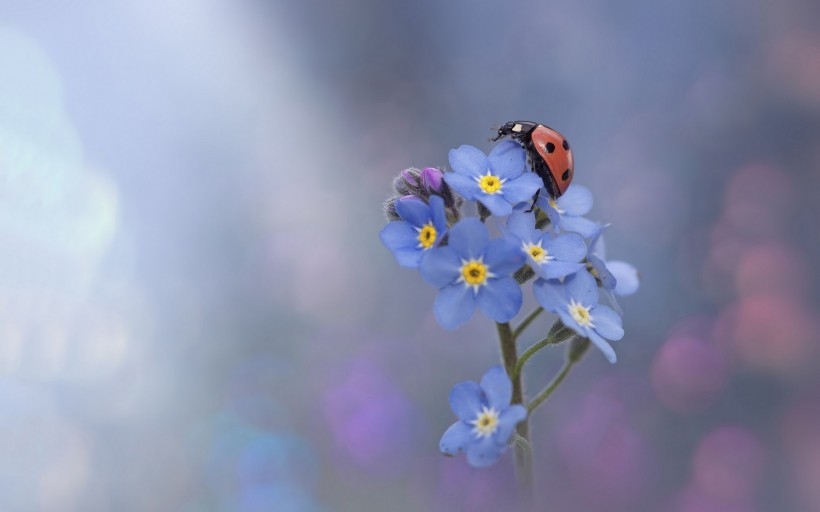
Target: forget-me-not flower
[(619, 277), (575, 300), (421, 227), (566, 212), (472, 271), (498, 181), (486, 420), (550, 256)]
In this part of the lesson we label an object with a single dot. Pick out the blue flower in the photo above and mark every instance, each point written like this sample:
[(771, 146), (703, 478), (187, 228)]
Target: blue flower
[(472, 271), (421, 229), (566, 212), (576, 302), (497, 181), (486, 420), (619, 277), (550, 256), (597, 265)]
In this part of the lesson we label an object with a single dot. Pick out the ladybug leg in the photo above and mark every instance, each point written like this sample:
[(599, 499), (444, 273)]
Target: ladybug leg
[(534, 199)]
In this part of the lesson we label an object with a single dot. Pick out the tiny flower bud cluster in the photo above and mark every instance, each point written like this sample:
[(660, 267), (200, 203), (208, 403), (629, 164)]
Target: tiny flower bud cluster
[(422, 184)]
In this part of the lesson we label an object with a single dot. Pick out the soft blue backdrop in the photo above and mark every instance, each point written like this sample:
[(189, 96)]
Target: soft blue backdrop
[(196, 313)]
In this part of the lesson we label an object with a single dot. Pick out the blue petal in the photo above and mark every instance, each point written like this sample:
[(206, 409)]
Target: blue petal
[(522, 188), (503, 257), (437, 211), (399, 234), (454, 305), (484, 452), (608, 281), (550, 294), (466, 400), (577, 200), (543, 201), (496, 203), (468, 161), (603, 346), (565, 247), (583, 288), (507, 160), (521, 225), (612, 301), (500, 299), (441, 267), (607, 322), (497, 388), (464, 186), (507, 421), (626, 276), (414, 211), (409, 257), (402, 240), (469, 238), (597, 247), (556, 269), (584, 227), (456, 438)]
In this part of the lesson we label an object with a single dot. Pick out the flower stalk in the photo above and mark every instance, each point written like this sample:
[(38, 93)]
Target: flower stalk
[(575, 352), (523, 459)]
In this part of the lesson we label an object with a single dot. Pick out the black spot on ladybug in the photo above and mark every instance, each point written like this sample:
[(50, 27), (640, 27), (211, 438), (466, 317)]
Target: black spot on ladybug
[(565, 176), (550, 147), (565, 144)]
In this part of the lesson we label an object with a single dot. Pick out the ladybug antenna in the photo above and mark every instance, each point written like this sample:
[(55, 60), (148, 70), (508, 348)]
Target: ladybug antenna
[(494, 128)]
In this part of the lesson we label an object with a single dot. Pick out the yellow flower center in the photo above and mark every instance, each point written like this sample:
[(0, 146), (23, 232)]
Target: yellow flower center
[(490, 184), (538, 254), (486, 422), (580, 314), (474, 273), (427, 235), (554, 205)]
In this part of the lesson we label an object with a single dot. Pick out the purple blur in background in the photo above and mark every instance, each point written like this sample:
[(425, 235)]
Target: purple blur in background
[(196, 312)]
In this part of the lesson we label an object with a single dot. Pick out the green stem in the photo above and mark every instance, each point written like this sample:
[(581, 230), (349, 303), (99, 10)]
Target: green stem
[(575, 352), (527, 321), (523, 460), (554, 337)]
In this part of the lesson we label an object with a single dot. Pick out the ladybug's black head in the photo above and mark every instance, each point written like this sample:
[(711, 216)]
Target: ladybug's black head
[(504, 130), (518, 130)]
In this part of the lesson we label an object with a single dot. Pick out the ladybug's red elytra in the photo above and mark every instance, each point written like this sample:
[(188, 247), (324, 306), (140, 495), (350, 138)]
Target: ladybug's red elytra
[(548, 152)]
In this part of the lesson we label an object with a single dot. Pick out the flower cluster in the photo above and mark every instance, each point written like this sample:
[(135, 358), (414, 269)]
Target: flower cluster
[(548, 242)]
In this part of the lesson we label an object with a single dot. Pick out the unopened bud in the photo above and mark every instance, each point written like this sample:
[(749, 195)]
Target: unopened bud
[(410, 177), (408, 182), (432, 179)]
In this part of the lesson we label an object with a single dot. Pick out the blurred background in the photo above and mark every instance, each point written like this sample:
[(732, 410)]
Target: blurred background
[(196, 313)]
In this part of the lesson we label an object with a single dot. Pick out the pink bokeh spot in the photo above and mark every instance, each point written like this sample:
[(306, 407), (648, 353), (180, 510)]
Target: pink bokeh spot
[(598, 444), (688, 374), (729, 465), (774, 269), (774, 333), (693, 499)]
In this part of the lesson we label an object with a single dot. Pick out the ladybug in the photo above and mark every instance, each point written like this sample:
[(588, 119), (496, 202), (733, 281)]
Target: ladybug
[(548, 152)]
